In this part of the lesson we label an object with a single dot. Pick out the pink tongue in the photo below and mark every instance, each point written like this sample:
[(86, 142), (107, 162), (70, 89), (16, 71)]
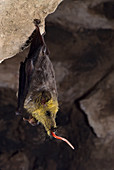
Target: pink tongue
[(61, 138)]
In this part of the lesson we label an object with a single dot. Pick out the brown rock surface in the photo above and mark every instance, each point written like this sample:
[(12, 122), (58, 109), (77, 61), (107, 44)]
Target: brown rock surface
[(84, 14), (16, 161), (98, 106)]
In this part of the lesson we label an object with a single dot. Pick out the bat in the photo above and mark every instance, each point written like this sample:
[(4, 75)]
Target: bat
[(37, 92)]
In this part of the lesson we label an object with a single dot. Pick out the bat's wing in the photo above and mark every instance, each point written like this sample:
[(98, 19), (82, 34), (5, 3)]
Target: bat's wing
[(22, 78), (27, 67), (25, 73)]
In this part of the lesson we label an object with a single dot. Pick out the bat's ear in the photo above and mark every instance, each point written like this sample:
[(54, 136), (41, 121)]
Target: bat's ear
[(46, 96), (41, 97)]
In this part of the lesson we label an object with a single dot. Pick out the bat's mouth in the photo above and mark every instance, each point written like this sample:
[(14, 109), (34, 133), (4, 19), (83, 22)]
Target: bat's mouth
[(53, 129), (61, 138)]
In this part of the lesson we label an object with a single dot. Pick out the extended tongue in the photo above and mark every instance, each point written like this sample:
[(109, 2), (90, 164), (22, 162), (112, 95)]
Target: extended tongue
[(61, 138)]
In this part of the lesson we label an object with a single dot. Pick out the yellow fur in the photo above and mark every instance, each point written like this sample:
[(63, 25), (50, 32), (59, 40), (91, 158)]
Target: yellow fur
[(40, 114)]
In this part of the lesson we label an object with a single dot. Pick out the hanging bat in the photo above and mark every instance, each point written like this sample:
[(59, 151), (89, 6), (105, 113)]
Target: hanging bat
[(37, 86)]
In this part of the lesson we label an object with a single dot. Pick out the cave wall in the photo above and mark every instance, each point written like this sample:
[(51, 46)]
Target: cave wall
[(80, 37)]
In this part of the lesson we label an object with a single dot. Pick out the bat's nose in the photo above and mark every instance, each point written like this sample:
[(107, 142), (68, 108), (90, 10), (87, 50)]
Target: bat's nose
[(53, 129)]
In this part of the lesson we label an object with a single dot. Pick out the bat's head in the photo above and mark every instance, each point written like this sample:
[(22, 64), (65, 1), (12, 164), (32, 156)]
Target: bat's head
[(46, 114)]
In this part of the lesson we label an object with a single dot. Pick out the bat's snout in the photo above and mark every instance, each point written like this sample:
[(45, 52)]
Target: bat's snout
[(53, 129)]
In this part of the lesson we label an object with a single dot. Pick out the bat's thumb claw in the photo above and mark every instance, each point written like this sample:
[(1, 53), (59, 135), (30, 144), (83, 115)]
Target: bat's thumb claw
[(38, 123), (26, 120), (18, 113)]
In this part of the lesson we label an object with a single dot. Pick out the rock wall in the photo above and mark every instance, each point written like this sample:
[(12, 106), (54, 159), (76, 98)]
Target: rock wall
[(80, 37)]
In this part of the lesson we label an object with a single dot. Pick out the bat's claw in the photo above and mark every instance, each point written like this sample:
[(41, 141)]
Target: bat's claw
[(37, 22)]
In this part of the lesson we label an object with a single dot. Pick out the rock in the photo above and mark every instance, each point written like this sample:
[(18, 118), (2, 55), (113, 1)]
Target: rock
[(16, 22), (98, 106), (14, 161), (9, 70), (78, 15)]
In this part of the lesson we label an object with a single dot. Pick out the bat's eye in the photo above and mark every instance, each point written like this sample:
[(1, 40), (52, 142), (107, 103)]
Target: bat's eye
[(48, 113)]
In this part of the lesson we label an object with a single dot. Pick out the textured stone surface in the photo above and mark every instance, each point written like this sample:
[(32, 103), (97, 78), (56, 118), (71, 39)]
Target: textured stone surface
[(9, 71), (16, 161), (99, 107), (84, 14), (16, 22)]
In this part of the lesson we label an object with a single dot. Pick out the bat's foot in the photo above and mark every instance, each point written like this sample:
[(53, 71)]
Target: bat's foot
[(32, 121), (36, 22)]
